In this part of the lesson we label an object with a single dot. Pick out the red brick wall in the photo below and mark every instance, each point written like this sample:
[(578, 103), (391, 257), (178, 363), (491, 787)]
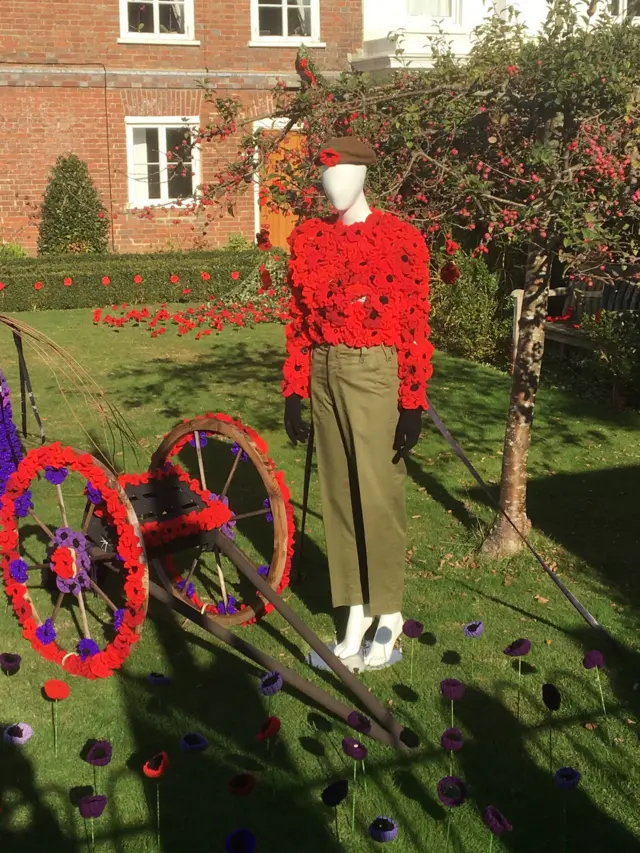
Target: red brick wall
[(66, 86), (87, 32)]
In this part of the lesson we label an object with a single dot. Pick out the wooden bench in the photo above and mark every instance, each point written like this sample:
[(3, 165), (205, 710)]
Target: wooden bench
[(622, 296)]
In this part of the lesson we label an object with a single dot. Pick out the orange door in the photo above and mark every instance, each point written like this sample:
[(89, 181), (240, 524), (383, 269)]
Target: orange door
[(280, 223)]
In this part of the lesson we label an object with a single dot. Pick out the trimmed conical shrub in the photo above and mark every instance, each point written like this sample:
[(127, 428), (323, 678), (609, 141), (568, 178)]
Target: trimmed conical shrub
[(73, 218)]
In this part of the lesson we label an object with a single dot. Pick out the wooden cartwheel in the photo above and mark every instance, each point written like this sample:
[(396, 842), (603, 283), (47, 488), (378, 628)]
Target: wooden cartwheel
[(208, 531)]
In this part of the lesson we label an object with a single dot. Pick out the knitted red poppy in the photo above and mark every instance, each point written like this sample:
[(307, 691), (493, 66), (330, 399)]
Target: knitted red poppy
[(361, 285)]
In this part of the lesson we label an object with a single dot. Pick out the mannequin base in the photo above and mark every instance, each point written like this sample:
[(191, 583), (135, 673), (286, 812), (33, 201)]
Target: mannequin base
[(355, 662)]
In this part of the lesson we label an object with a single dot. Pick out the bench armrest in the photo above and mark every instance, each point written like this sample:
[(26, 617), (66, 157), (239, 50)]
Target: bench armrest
[(556, 291)]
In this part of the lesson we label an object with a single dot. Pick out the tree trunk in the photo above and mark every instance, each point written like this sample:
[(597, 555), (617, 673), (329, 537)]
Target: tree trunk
[(503, 539)]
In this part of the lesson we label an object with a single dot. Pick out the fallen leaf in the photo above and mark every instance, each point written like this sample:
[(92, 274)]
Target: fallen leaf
[(590, 726), (619, 739), (541, 600), (507, 580), (548, 642), (416, 516), (631, 723)]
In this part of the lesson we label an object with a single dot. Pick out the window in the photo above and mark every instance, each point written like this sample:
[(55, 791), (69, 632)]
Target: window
[(625, 9), (295, 21), (156, 20), (162, 160), (430, 8)]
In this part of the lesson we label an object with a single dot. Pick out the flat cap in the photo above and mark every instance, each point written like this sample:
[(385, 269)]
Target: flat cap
[(345, 149)]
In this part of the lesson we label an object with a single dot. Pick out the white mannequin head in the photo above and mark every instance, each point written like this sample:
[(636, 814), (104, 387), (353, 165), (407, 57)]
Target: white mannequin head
[(343, 185)]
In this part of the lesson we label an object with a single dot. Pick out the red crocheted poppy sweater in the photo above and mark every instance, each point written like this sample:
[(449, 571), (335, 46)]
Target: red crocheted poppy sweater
[(361, 285)]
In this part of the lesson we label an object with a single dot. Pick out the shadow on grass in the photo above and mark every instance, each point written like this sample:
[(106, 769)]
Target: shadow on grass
[(43, 830)]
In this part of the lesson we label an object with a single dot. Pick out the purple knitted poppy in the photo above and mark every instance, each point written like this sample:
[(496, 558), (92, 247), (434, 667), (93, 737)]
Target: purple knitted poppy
[(567, 778), (354, 749), (593, 659), (18, 734), (87, 648), (519, 648), (359, 722), (18, 570), (383, 829), (55, 476), (99, 754), (10, 663), (452, 791), (93, 495), (46, 633), (452, 688), (473, 630), (23, 504), (412, 629), (496, 821), (202, 439), (118, 616), (74, 585), (92, 806), (271, 683), (235, 449), (452, 740), (230, 609)]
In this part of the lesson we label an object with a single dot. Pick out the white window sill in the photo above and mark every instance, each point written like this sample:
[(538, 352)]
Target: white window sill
[(149, 39), (139, 207), (269, 41)]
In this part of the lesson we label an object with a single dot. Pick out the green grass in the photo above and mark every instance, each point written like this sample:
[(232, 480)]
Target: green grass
[(583, 501)]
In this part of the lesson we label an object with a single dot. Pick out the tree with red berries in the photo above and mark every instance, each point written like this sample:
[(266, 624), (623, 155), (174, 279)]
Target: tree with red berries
[(528, 146)]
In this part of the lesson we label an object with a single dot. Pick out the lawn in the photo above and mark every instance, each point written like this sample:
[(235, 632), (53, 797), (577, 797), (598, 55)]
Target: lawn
[(583, 501)]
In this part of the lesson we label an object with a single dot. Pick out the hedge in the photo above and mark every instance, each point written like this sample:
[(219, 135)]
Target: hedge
[(90, 281)]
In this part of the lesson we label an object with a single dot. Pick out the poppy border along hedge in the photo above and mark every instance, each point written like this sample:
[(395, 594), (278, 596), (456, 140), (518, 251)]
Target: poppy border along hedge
[(96, 281)]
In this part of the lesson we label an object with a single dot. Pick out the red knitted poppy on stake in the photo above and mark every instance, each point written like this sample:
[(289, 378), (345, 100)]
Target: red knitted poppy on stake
[(361, 285)]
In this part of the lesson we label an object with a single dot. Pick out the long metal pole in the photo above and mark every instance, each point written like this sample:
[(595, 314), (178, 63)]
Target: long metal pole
[(453, 444), (295, 681), (367, 699)]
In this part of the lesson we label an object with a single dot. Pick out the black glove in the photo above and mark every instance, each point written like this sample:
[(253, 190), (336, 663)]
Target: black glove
[(407, 433), (297, 429)]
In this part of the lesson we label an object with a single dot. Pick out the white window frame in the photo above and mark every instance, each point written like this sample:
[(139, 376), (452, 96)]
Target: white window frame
[(186, 38), (286, 41), (418, 23), (162, 123), (623, 13)]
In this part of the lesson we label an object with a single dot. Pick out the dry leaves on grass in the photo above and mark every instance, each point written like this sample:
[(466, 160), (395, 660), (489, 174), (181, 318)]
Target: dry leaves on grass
[(541, 599)]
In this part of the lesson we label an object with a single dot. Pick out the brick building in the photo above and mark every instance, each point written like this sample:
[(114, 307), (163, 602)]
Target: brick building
[(113, 81)]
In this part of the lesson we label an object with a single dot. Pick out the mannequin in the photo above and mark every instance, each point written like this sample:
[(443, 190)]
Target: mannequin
[(356, 280)]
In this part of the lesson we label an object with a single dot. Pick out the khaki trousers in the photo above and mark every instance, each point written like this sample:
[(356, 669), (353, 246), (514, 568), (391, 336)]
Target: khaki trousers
[(354, 404)]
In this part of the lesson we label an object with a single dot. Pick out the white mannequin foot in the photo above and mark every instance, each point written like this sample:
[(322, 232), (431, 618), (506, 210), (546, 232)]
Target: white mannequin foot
[(388, 630), (358, 624)]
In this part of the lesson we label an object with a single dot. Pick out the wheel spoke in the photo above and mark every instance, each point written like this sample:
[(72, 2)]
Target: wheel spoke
[(41, 524), (250, 514), (203, 479), (191, 571), (223, 586), (234, 467), (103, 595), (63, 510), (83, 615), (88, 518), (56, 609)]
